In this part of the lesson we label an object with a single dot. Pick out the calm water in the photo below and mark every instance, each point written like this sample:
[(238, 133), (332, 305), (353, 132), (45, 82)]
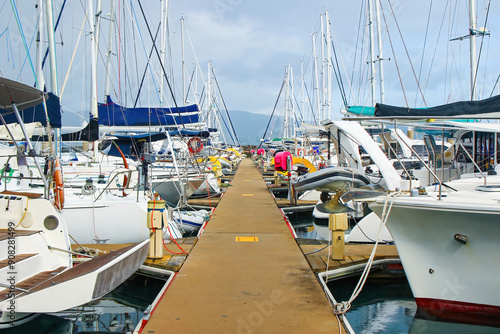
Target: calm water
[(382, 307), (117, 312)]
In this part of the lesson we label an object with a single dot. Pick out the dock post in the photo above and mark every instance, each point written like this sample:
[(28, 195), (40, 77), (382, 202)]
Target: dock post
[(276, 179), (155, 225), (337, 224)]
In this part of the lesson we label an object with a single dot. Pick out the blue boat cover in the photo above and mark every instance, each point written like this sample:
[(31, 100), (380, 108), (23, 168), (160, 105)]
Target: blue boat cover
[(37, 113), (112, 114)]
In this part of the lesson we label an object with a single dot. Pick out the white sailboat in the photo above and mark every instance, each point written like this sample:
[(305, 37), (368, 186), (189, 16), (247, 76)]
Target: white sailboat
[(35, 254)]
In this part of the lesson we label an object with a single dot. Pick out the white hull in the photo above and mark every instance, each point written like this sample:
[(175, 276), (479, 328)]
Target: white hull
[(445, 275)]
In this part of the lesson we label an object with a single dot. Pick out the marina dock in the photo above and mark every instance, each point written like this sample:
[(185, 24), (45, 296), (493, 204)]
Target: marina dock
[(246, 273)]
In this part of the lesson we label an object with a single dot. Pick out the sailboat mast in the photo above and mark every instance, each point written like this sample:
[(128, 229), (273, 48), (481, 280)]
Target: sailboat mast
[(323, 76), (329, 67), (473, 60), (372, 52), (49, 23), (93, 85), (40, 82), (316, 78), (287, 83), (380, 53), (163, 49), (183, 64), (110, 48)]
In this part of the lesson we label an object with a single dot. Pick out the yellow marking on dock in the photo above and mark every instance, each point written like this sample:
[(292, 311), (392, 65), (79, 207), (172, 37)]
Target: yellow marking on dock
[(243, 287), (247, 239), (247, 195)]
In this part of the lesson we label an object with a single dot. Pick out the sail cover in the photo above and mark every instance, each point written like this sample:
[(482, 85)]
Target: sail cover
[(29, 102), (112, 114), (488, 108)]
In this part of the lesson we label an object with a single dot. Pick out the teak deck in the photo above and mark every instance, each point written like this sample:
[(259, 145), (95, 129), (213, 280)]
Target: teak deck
[(259, 284)]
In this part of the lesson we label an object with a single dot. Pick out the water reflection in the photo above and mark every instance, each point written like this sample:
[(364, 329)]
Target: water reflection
[(117, 312), (384, 305)]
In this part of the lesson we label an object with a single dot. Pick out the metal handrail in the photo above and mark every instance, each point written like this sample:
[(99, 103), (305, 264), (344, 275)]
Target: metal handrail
[(475, 164)]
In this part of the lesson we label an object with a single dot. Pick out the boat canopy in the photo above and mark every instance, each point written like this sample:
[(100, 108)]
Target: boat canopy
[(487, 108), (112, 114), (29, 102)]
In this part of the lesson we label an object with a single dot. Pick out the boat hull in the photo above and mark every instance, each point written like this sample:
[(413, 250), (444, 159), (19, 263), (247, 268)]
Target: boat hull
[(447, 276)]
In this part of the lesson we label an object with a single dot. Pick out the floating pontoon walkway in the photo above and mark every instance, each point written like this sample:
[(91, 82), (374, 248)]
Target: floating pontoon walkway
[(246, 274)]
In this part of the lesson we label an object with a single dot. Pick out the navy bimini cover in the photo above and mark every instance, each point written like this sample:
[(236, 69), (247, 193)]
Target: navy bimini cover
[(112, 114), (37, 113), (462, 108)]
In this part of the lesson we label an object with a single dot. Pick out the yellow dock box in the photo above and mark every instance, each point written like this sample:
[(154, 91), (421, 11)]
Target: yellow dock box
[(155, 224), (337, 223)]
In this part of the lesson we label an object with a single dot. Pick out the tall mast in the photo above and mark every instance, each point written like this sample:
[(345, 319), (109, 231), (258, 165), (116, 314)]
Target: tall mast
[(372, 53), (110, 48), (209, 95), (380, 53), (323, 76), (49, 23), (287, 83), (93, 85), (473, 60), (183, 63), (316, 77), (302, 90), (164, 22), (329, 66), (40, 82), (292, 102)]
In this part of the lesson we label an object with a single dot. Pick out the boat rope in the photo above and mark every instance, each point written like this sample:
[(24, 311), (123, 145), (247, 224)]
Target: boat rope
[(343, 307), (25, 211)]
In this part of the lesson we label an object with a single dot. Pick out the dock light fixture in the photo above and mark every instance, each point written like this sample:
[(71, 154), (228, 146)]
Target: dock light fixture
[(460, 238)]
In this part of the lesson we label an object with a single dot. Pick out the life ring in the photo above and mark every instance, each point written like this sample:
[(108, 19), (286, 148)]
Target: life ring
[(57, 177), (301, 152), (195, 145)]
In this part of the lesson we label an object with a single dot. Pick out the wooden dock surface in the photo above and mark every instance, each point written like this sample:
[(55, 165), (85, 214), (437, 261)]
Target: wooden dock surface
[(259, 284)]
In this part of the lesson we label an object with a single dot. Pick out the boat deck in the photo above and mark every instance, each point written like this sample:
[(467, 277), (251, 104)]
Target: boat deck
[(246, 273)]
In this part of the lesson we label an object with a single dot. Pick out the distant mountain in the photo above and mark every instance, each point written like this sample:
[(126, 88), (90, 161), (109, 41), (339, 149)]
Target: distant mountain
[(249, 126)]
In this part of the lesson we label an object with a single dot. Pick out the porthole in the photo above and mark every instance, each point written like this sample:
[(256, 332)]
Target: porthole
[(51, 223)]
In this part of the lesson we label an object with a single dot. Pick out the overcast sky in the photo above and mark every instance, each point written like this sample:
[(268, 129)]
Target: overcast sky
[(251, 42)]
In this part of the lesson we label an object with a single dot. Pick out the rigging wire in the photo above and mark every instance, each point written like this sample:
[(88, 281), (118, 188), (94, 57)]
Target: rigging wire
[(407, 54), (274, 109), (424, 47), (426, 81), (20, 27), (481, 46), (225, 107), (394, 55)]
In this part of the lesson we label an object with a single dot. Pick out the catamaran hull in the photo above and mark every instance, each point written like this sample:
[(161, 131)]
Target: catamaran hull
[(447, 277)]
